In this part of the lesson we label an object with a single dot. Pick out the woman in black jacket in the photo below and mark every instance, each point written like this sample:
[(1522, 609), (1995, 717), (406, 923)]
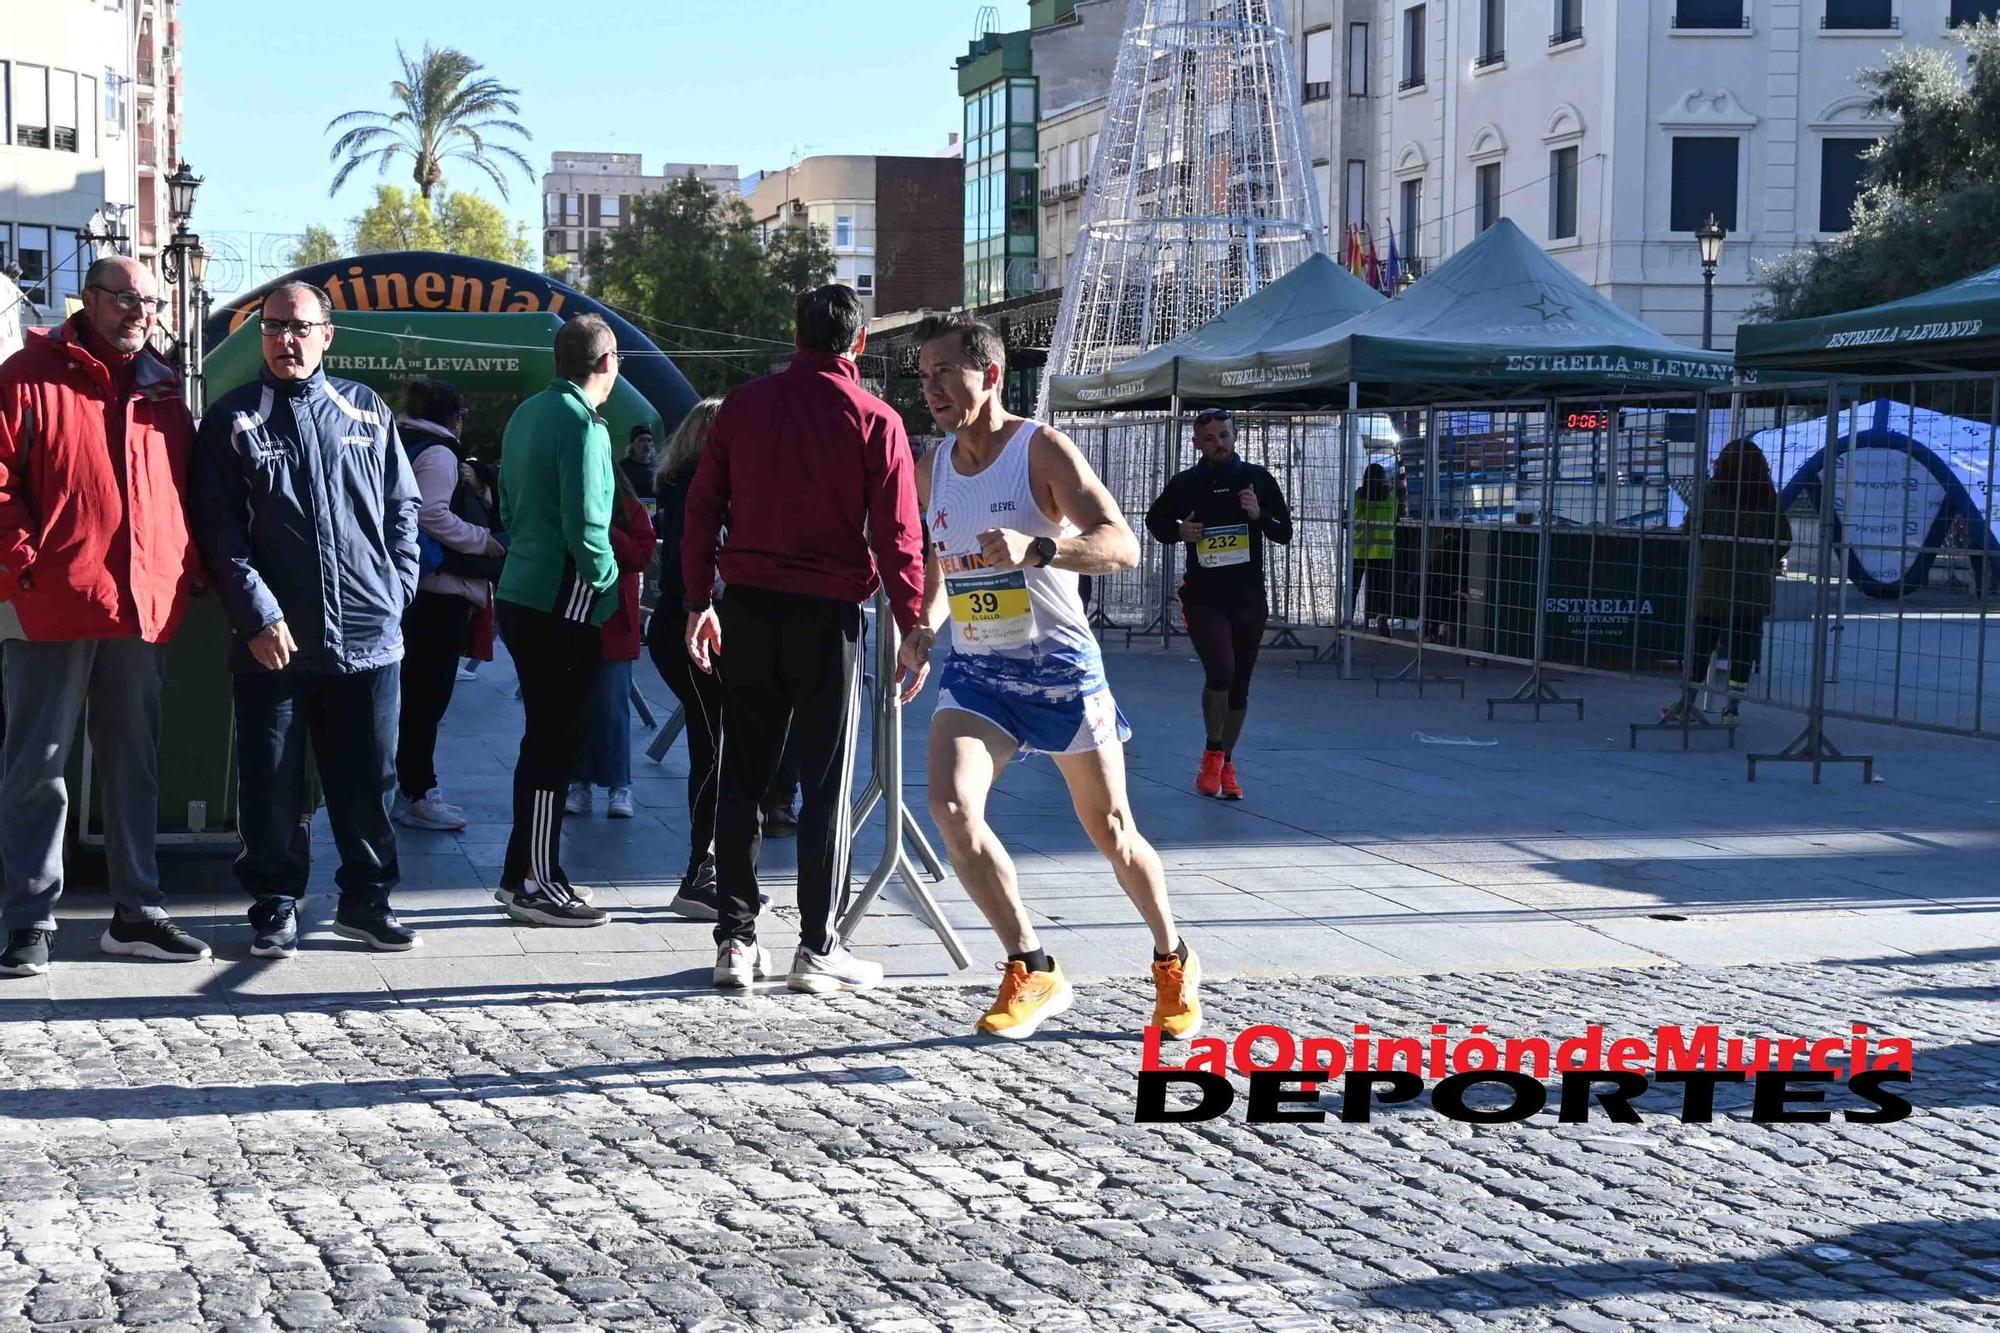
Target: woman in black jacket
[(1743, 537)]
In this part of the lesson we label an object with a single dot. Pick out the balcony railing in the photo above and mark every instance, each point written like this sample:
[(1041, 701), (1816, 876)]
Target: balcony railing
[(145, 74), (1695, 17), (1318, 92), (1487, 59), (1414, 81), (149, 146), (1565, 35)]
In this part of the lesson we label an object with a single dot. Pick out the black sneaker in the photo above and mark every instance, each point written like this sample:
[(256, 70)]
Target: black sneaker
[(553, 905), (151, 937), (27, 952), (277, 937), (376, 927), (780, 822)]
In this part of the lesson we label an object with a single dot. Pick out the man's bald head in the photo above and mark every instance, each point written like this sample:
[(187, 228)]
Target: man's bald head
[(107, 286)]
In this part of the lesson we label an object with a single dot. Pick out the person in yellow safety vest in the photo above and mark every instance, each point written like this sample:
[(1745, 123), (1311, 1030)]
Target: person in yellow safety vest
[(1376, 510)]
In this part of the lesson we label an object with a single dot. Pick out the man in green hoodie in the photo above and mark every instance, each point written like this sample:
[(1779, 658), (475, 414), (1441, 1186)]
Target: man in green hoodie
[(559, 585)]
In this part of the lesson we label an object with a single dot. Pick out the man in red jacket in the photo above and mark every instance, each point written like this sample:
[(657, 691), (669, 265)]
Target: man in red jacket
[(812, 475), (96, 559)]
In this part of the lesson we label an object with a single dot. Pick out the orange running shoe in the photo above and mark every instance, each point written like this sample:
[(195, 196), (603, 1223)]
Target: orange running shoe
[(1177, 1006), (1209, 780), (1230, 791), (1025, 999)]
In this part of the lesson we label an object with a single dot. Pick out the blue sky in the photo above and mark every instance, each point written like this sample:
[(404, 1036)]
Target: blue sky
[(743, 81)]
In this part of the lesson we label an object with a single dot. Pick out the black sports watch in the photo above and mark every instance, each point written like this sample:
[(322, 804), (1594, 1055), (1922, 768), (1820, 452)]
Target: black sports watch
[(1044, 550)]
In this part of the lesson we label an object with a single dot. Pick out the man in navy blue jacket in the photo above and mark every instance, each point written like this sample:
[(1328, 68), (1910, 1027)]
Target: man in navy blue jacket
[(305, 510)]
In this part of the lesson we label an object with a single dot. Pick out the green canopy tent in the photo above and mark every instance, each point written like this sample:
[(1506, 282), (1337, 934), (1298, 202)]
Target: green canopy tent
[(494, 361), (1954, 327), (1317, 295), (1501, 318)]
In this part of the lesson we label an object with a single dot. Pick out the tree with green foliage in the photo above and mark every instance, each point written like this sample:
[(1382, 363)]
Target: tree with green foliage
[(443, 113), (317, 246), (461, 224), (1929, 210), (688, 259)]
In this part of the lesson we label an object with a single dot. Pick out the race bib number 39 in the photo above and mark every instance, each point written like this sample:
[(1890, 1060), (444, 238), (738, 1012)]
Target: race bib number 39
[(991, 610), (1220, 548)]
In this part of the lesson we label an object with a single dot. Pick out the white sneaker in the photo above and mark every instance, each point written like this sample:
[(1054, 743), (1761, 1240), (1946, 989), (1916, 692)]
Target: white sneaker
[(467, 671), (834, 970), (620, 804), (738, 964), (578, 800), (427, 812)]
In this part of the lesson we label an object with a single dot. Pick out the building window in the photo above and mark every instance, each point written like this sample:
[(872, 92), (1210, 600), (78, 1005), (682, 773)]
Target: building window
[(1704, 183), (1710, 14), (33, 257), (1971, 11), (1862, 15), (573, 209), (114, 99), (31, 110), (1357, 60), (1413, 213), (551, 209), (1489, 194), (62, 110), (1323, 182), (1357, 192), (86, 110), (1413, 47), (68, 263), (1842, 170), (1492, 33), (1073, 163), (864, 284), (1562, 194), (843, 231), (610, 210), (1569, 22), (1319, 65)]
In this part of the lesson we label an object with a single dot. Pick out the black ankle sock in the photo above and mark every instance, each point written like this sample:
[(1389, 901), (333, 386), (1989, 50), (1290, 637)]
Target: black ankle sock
[(1036, 961), (1211, 744), (1180, 952)]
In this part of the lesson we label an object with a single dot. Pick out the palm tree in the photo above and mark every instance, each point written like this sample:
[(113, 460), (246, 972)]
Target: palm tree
[(443, 112)]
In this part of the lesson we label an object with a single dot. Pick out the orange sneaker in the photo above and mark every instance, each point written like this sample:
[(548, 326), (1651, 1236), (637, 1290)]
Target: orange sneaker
[(1177, 1006), (1230, 791), (1025, 999), (1209, 780)]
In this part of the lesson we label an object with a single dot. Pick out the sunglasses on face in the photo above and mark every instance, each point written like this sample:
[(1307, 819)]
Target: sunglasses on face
[(131, 300)]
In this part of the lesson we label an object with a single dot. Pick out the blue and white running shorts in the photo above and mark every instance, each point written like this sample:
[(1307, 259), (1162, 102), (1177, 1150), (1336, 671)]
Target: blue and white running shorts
[(1047, 707)]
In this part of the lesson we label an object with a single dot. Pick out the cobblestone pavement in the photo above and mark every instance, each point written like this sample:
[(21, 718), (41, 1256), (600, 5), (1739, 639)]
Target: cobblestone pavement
[(638, 1160)]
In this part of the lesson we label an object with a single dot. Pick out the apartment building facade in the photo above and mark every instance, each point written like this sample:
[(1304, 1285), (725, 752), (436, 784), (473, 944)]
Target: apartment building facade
[(90, 129), (893, 223), (585, 195), (1609, 131)]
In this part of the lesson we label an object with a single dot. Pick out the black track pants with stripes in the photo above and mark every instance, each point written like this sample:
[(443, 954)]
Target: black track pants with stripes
[(786, 660), (557, 660)]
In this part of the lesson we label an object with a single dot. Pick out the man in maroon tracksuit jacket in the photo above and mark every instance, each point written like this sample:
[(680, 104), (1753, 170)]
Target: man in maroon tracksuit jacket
[(812, 477)]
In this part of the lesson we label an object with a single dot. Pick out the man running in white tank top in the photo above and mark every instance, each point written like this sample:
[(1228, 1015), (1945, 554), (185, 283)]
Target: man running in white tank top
[(1013, 515)]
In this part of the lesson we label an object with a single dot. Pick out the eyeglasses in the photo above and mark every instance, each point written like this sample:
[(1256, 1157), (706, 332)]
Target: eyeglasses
[(131, 300), (298, 328)]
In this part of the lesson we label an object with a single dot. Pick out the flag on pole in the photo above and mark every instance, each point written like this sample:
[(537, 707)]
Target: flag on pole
[(1357, 259), (1374, 261), (1392, 272)]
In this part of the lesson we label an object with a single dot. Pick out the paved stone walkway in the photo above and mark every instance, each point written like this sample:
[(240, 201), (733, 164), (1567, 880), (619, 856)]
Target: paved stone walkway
[(629, 1160)]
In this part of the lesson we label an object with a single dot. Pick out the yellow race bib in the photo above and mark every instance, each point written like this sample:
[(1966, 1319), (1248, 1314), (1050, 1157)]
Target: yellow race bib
[(991, 610)]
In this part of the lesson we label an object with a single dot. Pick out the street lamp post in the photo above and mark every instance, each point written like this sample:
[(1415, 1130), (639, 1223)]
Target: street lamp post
[(1710, 239), (184, 262)]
